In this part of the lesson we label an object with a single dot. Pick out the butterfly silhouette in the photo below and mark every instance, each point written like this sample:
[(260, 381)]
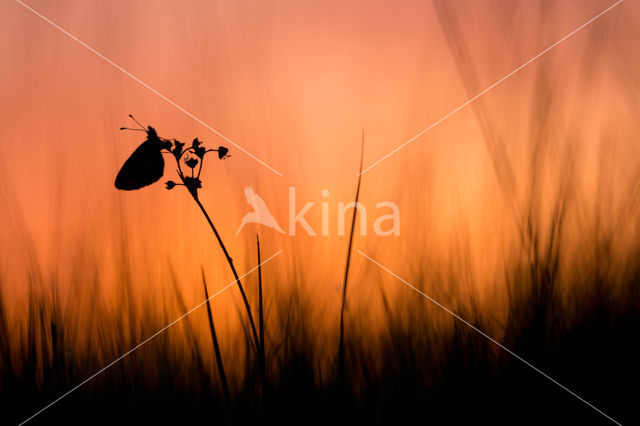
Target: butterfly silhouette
[(146, 165)]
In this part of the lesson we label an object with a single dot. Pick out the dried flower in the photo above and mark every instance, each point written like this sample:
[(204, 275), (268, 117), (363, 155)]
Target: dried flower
[(191, 162), (200, 151), (192, 183), (222, 152), (146, 164)]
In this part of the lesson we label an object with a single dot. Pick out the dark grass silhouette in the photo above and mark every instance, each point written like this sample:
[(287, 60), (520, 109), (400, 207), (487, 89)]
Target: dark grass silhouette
[(573, 314), (573, 310), (443, 377), (262, 354), (216, 348), (341, 352)]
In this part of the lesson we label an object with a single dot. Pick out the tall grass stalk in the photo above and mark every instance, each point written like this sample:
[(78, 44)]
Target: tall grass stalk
[(216, 348), (262, 360), (346, 269)]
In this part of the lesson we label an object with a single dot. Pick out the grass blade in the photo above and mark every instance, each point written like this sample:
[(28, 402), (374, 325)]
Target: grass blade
[(346, 269), (216, 348)]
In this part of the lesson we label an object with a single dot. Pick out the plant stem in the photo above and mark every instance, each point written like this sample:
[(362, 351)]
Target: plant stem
[(346, 270), (194, 194), (263, 364), (216, 348)]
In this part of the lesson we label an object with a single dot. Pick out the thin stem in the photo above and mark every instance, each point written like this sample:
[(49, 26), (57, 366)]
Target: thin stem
[(263, 368), (346, 269), (180, 171), (194, 195), (200, 168), (186, 150), (178, 159), (216, 348)]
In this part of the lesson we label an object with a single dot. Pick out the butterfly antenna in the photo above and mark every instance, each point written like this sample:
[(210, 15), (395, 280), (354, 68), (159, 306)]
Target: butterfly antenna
[(129, 128), (137, 122)]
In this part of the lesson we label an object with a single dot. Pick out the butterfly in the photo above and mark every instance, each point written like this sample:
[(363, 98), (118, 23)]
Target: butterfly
[(146, 165)]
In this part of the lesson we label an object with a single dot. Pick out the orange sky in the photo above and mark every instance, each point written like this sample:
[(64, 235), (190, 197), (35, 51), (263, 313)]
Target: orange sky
[(294, 83)]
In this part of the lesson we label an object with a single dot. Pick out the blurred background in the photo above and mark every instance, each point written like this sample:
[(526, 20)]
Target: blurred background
[(520, 212)]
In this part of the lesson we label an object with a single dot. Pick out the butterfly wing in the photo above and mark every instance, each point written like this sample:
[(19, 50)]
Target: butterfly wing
[(144, 167)]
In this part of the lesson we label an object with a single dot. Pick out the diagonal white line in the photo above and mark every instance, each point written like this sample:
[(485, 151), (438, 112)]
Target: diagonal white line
[(115, 361), (133, 77), (476, 329), (590, 21)]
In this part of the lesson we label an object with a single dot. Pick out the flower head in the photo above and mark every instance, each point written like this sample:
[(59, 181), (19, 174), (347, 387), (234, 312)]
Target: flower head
[(200, 151), (146, 164), (191, 162), (222, 152), (192, 183)]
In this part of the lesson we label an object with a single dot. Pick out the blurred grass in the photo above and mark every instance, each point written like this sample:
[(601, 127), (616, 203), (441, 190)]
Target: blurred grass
[(421, 364), (566, 301), (557, 282)]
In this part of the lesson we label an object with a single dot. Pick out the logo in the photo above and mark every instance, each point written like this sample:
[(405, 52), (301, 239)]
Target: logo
[(385, 224), (260, 214)]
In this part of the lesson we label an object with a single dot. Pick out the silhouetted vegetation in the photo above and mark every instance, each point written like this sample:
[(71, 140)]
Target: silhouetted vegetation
[(574, 314), (411, 370), (566, 299)]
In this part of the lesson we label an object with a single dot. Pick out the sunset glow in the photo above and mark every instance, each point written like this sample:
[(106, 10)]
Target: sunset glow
[(545, 165)]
